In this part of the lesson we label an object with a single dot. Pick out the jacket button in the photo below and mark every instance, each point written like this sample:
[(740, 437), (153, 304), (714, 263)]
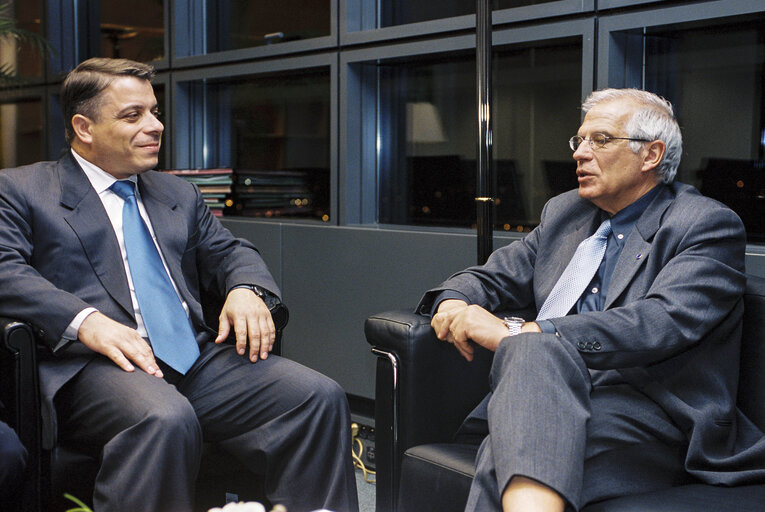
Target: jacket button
[(580, 345), (596, 345)]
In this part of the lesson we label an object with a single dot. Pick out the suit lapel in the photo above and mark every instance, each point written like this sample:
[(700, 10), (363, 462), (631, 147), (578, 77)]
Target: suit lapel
[(638, 245), (170, 227), (87, 217)]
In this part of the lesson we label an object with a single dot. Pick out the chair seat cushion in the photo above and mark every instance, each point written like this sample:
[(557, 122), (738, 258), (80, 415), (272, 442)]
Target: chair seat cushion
[(438, 477)]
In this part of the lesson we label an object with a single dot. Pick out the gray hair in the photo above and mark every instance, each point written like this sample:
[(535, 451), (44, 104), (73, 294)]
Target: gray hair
[(653, 120)]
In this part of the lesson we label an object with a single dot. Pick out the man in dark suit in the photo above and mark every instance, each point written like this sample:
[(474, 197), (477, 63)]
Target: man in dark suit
[(628, 384), (74, 257)]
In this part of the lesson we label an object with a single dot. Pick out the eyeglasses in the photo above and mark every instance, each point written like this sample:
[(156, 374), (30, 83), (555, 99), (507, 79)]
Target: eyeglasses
[(597, 141)]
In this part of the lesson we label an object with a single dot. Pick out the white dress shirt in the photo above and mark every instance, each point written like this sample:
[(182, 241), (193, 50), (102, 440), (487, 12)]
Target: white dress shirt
[(101, 181)]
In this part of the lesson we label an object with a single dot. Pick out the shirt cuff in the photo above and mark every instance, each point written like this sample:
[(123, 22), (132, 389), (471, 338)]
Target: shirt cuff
[(546, 326), (71, 332), (447, 295)]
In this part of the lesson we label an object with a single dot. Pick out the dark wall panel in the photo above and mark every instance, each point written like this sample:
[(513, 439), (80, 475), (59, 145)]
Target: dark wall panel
[(334, 278)]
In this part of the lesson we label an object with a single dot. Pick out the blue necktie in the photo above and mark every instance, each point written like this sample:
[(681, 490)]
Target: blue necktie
[(577, 275), (169, 329)]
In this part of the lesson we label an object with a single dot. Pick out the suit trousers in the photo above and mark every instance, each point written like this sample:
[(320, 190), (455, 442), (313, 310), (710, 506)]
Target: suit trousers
[(13, 461), (149, 431), (587, 435)]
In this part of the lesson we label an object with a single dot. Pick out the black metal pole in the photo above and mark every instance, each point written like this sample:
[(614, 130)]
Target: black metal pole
[(484, 175)]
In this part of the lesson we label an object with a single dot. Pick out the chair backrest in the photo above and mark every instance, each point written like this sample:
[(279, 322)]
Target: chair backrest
[(751, 392)]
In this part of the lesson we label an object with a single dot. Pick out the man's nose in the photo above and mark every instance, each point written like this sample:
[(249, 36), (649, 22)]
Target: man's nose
[(583, 151), (155, 125)]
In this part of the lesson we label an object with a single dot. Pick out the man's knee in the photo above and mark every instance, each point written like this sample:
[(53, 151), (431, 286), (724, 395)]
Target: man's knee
[(327, 393), (538, 354), (174, 418)]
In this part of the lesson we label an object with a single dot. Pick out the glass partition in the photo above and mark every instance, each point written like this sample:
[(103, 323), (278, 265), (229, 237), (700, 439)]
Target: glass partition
[(427, 135), (715, 77), (159, 92), (400, 12), (21, 135), (132, 30), (22, 57), (537, 94), (235, 24), (273, 131)]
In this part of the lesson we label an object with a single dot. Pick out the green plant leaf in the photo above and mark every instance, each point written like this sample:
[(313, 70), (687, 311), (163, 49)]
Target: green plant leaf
[(82, 506)]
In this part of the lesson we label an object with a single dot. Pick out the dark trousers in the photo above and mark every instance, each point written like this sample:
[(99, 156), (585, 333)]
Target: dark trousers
[(588, 437), (13, 461), (150, 431)]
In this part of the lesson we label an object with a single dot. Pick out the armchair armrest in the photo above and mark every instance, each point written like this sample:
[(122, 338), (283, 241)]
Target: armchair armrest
[(424, 390), (20, 395)]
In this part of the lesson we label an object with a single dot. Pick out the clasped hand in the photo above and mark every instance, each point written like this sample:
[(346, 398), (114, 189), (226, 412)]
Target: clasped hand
[(460, 323)]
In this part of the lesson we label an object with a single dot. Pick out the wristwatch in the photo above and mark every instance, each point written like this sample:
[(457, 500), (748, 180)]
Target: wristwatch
[(260, 292), (513, 324)]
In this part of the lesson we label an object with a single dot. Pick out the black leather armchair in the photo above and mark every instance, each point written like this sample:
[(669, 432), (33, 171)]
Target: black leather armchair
[(64, 469), (424, 390)]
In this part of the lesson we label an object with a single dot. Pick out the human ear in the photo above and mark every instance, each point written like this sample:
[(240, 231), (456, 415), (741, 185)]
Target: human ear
[(654, 153), (82, 127)]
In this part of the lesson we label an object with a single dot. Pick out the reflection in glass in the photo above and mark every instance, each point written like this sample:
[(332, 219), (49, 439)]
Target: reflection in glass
[(400, 12), (715, 77), (21, 140), (427, 135), (537, 92), (133, 29), (23, 57), (274, 132), (427, 142), (235, 24)]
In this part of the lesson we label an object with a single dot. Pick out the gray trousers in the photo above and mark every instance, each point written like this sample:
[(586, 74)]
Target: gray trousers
[(588, 437), (150, 431)]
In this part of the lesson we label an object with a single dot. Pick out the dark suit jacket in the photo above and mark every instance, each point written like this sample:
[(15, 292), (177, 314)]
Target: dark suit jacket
[(672, 321), (59, 254)]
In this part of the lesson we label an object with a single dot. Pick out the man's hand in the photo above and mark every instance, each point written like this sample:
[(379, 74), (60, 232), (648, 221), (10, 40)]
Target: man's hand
[(118, 342), (251, 320), (458, 323)]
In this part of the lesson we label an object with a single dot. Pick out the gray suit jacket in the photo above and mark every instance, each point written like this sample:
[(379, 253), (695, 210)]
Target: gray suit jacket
[(59, 254), (672, 321)]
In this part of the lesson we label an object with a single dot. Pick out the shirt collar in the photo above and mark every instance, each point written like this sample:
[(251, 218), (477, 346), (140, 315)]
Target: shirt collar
[(625, 219), (99, 179)]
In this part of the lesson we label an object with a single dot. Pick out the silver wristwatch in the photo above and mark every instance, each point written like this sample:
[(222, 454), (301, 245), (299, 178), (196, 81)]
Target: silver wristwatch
[(513, 324)]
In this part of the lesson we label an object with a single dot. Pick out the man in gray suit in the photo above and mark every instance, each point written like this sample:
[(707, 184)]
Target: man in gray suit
[(70, 265), (631, 385)]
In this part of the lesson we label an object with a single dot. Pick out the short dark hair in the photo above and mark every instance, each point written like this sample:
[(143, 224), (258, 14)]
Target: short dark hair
[(82, 87)]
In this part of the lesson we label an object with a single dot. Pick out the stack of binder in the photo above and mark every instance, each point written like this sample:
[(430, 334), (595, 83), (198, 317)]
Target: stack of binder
[(215, 185), (272, 193)]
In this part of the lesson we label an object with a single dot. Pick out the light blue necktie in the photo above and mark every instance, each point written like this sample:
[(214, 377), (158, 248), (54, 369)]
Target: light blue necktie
[(577, 275), (167, 324)]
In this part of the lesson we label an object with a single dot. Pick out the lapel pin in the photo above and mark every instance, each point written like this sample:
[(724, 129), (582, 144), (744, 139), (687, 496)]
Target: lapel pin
[(639, 256)]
